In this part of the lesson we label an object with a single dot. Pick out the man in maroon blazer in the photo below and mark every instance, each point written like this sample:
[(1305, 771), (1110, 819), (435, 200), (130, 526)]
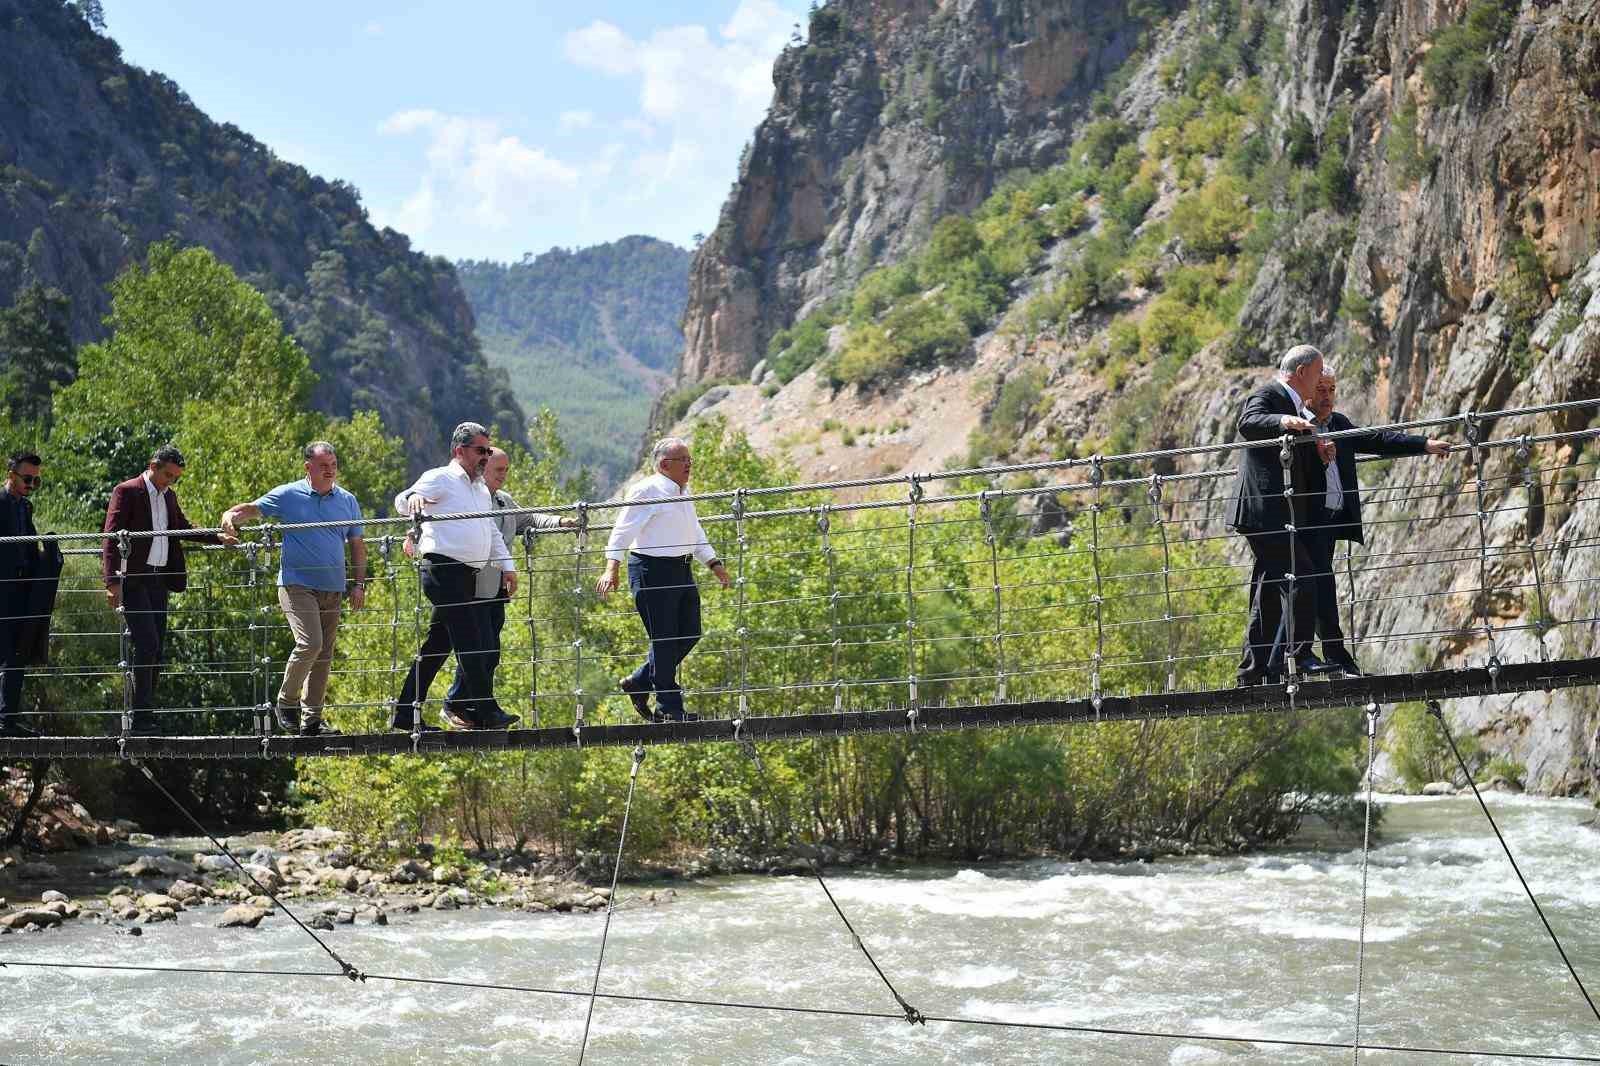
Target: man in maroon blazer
[(154, 569)]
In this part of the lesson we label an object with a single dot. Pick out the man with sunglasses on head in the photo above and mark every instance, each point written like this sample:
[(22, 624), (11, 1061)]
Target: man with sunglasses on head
[(139, 586), (452, 554), (17, 563)]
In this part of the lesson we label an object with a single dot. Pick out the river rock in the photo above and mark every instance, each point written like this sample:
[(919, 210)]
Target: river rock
[(341, 857), (214, 864), (534, 906), (316, 837), (52, 896), (39, 916), (1500, 784), (261, 901), (444, 901), (241, 917), (321, 922), (409, 872), (155, 866), (37, 871), (446, 875), (160, 914), (157, 900), (1438, 788), (127, 914), (186, 892), (264, 876), (371, 916), (340, 880)]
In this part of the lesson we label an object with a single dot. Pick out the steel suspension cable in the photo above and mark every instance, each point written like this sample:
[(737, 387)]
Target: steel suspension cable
[(611, 901), (1366, 855), (345, 968), (1438, 713)]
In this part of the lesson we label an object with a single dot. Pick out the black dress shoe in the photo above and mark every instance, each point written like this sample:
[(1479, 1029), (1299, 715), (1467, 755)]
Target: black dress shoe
[(288, 719), (313, 727), (502, 720), (15, 730), (638, 696), (1312, 666), (1346, 664), (677, 716)]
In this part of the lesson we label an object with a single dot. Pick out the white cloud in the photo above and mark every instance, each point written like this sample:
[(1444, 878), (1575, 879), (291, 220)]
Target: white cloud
[(576, 120), (478, 176)]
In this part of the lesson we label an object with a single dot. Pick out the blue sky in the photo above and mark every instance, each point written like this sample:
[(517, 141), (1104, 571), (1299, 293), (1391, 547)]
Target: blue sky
[(486, 130)]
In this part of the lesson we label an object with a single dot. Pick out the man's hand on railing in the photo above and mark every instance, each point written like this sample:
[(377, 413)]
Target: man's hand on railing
[(1439, 449), (1296, 424)]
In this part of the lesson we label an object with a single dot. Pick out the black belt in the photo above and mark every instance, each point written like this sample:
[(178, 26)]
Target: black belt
[(445, 560), (662, 558)]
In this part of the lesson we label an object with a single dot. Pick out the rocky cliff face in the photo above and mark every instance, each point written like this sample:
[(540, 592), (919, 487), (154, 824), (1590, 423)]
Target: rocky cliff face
[(891, 115), (99, 159), (1447, 263)]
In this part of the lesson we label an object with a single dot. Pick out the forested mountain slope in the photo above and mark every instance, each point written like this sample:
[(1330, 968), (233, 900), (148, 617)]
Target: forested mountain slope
[(590, 333), (99, 159)]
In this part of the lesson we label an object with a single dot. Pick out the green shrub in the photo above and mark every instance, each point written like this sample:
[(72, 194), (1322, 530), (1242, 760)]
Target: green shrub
[(1419, 751), (1458, 63), (1210, 222), (1410, 159), (791, 351), (876, 292)]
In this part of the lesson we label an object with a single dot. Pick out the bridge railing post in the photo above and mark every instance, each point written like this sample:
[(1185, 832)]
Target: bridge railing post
[(1291, 662), (581, 545), (260, 682), (836, 642), (1531, 486), (1159, 519), (986, 512), (741, 539), (915, 495), (1473, 431), (417, 562), (530, 555), (124, 549), (1097, 477), (390, 578)]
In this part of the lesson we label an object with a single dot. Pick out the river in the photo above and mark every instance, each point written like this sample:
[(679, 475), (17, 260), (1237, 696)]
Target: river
[(1254, 946)]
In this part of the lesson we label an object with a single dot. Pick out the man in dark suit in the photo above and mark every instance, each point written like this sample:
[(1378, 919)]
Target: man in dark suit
[(140, 585), (18, 560), (1282, 613), (1337, 515)]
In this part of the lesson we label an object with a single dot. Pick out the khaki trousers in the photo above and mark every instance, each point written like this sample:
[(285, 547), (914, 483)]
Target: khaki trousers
[(313, 617)]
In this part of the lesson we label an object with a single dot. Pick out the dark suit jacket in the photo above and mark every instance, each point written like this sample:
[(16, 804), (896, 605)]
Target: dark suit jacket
[(1347, 525), (17, 560), (130, 509), (1256, 503)]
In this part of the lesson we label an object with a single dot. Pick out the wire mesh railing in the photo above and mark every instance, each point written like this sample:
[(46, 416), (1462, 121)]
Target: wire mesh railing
[(962, 588)]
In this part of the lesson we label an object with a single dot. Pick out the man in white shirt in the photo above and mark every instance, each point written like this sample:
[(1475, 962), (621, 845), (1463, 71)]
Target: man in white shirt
[(663, 538), (452, 554)]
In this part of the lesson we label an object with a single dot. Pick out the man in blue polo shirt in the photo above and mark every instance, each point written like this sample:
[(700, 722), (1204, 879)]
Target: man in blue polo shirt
[(311, 579)]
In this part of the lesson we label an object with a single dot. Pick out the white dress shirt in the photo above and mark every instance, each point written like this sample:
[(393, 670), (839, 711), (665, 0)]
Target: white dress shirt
[(158, 521), (474, 541), (658, 529)]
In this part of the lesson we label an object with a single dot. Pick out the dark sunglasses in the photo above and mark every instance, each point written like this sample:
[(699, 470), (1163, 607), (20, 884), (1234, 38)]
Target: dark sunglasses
[(480, 449), (33, 481)]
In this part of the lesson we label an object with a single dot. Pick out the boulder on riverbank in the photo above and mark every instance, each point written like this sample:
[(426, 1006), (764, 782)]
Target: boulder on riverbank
[(243, 916)]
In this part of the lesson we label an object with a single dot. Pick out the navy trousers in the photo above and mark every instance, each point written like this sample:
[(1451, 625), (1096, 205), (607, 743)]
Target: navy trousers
[(668, 602), (11, 668), (492, 618), (1320, 544), (145, 599), (457, 625), (1272, 606)]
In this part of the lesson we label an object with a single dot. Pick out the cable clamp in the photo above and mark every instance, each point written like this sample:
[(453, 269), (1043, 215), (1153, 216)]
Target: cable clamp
[(577, 732), (911, 726), (1494, 668), (351, 972), (913, 1015), (823, 521)]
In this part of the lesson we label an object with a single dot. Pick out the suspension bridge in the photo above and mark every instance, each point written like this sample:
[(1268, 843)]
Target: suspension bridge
[(1082, 590)]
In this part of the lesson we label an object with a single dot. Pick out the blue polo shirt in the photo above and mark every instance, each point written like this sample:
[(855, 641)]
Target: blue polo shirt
[(313, 557)]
